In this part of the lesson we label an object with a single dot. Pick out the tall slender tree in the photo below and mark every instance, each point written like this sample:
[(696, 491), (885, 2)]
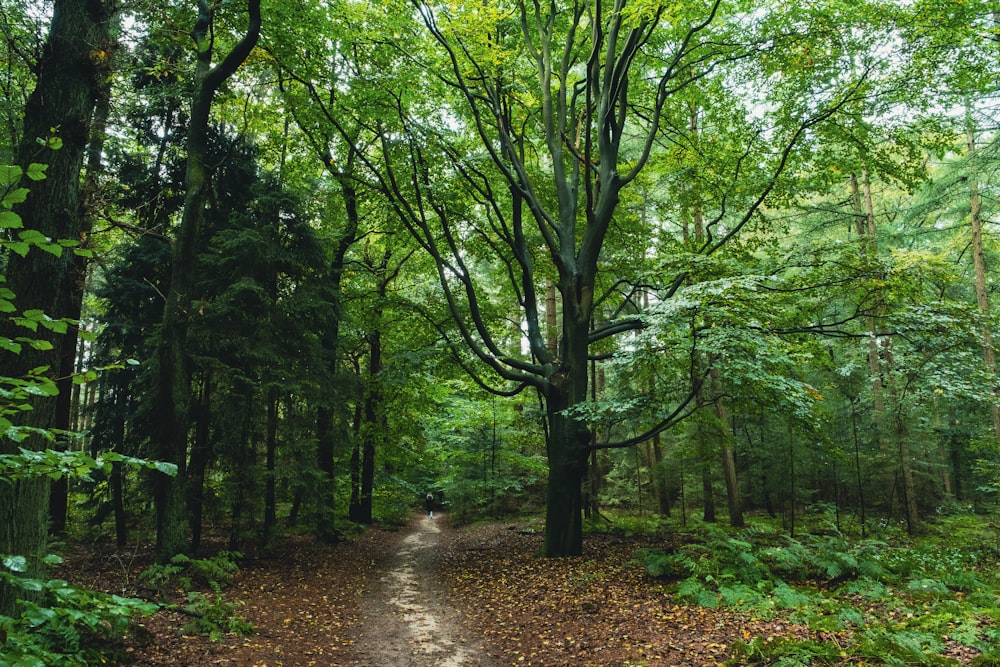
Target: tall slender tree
[(174, 385)]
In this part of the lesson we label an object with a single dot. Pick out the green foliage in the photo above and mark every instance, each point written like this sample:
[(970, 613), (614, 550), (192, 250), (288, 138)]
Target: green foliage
[(68, 625), (210, 613), (213, 616), (784, 652), (61, 624), (883, 602), (669, 565), (55, 464), (188, 573)]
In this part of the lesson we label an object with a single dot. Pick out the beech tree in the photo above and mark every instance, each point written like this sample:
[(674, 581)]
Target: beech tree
[(568, 104)]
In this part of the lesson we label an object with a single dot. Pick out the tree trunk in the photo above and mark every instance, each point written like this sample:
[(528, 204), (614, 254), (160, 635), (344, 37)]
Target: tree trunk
[(246, 483), (74, 61), (174, 385), (865, 228), (354, 504), (551, 319), (271, 451), (726, 451), (373, 428), (201, 454), (116, 482), (901, 433), (77, 280), (567, 454), (325, 529), (568, 442), (660, 477), (325, 436), (982, 295)]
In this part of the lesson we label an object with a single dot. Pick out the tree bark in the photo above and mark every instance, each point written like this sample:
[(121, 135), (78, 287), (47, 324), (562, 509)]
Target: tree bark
[(982, 295), (270, 463), (201, 454), (734, 501), (569, 438), (75, 59), (660, 472), (865, 228)]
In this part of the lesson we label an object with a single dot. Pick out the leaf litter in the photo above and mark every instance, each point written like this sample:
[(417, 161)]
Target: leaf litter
[(431, 595)]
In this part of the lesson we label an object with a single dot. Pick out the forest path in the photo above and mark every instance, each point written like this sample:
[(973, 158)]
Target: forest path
[(406, 620)]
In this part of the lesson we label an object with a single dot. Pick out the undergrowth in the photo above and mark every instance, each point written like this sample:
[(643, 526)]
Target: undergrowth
[(861, 601), (210, 614), (65, 625), (76, 627)]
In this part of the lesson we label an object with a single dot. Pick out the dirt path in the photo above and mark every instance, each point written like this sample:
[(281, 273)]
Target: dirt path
[(406, 620)]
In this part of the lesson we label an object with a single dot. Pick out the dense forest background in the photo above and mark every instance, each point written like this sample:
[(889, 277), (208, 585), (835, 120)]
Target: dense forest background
[(316, 259)]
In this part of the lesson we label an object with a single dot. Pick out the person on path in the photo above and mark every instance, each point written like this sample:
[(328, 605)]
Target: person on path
[(429, 504)]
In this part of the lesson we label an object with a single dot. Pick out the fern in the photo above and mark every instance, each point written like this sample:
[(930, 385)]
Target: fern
[(690, 588), (931, 588), (667, 565)]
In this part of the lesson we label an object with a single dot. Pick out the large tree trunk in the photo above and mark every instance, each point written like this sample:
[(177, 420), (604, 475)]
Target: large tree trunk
[(568, 446), (77, 279), (246, 492), (371, 432), (325, 530), (568, 441), (354, 504), (74, 61), (660, 478)]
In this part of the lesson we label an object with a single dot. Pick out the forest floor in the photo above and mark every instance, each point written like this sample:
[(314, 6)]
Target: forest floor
[(430, 595)]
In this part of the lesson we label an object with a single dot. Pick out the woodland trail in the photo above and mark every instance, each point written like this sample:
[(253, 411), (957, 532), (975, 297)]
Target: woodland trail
[(406, 622)]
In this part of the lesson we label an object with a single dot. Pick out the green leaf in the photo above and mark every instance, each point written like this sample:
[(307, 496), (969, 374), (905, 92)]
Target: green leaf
[(9, 174), (52, 248), (15, 563), (43, 389), (169, 469), (33, 236), (19, 248), (15, 196), (39, 616), (36, 171), (85, 377), (10, 220)]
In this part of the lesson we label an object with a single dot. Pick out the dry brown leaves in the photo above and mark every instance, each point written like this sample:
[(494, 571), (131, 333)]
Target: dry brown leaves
[(598, 610), (304, 599)]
